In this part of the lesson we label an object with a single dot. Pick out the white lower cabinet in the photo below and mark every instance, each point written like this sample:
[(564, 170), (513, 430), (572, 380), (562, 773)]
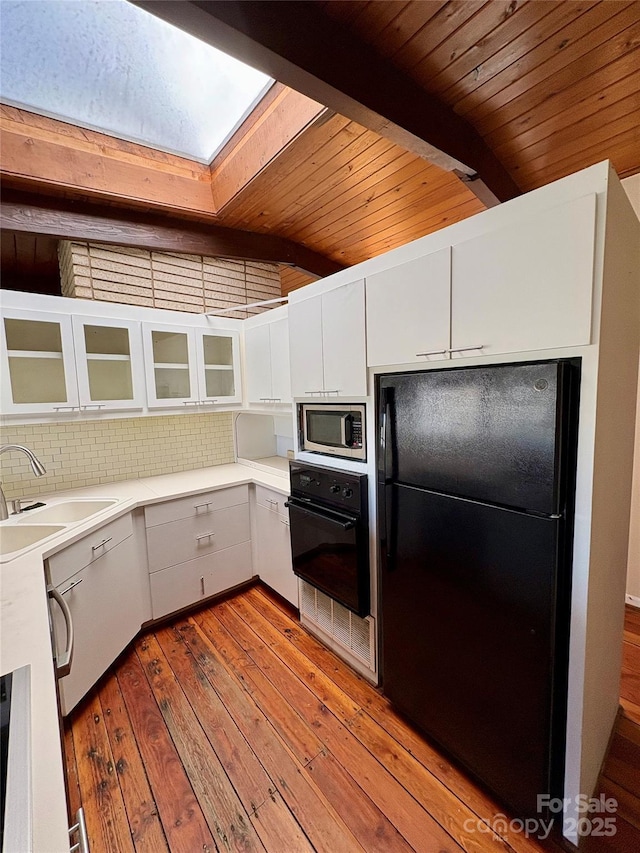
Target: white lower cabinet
[(197, 546), (273, 544), (105, 598), (187, 583)]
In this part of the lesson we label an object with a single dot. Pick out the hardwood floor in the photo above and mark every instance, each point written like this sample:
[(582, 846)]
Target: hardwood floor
[(234, 730)]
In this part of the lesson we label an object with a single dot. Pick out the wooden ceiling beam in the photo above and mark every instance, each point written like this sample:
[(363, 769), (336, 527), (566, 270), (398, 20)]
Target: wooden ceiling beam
[(260, 140), (65, 219), (303, 48), (43, 151)]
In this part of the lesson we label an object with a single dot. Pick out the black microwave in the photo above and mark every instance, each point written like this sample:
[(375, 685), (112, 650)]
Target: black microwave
[(333, 429)]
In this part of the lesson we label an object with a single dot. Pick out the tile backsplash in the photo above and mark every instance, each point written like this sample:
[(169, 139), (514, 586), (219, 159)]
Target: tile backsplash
[(86, 453)]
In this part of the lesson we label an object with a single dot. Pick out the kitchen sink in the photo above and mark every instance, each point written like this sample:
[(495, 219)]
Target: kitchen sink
[(66, 512), (16, 537)]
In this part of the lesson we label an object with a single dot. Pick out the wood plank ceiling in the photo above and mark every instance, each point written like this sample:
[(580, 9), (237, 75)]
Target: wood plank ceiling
[(551, 86)]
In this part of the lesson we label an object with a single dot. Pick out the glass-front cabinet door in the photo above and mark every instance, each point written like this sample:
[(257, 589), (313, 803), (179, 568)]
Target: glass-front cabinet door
[(109, 363), (37, 367), (170, 366), (218, 355)]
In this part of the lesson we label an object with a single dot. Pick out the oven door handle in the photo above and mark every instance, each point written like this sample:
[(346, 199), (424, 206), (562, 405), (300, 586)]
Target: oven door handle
[(344, 521)]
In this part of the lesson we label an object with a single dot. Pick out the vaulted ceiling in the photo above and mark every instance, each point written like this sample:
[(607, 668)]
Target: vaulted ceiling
[(390, 120)]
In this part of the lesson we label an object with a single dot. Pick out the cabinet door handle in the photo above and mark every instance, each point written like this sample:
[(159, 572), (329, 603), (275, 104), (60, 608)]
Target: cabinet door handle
[(71, 586), (190, 402), (315, 393), (93, 406), (207, 402), (63, 661), (100, 544), (199, 506), (466, 349), (433, 352), (62, 408), (285, 522), (82, 845), (202, 585), (204, 536)]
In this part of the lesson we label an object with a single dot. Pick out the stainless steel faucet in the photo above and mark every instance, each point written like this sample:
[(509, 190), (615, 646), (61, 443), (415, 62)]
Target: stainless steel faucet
[(36, 466)]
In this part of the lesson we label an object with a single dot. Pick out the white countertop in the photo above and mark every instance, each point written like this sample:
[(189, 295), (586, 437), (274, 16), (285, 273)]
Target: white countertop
[(24, 620)]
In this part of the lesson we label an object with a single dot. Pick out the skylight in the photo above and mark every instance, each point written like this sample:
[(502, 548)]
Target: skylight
[(110, 66)]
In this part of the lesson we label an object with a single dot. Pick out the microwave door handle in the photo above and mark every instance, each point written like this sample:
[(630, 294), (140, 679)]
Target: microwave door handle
[(348, 431), (343, 430)]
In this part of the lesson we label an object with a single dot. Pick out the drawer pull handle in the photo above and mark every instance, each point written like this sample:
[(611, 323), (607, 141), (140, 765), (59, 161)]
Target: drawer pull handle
[(199, 506), (100, 544), (284, 521), (466, 349), (204, 536), (70, 587), (271, 501), (202, 585)]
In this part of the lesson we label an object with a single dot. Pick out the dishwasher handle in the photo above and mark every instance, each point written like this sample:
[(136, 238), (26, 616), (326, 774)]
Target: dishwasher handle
[(63, 661)]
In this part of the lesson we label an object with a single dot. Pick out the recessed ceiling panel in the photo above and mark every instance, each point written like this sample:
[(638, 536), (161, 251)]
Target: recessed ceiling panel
[(112, 67)]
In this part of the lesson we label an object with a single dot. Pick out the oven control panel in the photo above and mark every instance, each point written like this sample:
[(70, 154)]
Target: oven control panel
[(325, 485)]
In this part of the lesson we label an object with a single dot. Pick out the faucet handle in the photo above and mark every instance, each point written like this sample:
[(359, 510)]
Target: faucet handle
[(16, 508)]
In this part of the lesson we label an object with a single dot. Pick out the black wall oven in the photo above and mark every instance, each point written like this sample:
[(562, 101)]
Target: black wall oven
[(328, 512)]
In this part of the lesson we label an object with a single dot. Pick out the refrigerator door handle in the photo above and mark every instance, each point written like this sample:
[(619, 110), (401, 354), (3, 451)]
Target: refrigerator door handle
[(385, 487)]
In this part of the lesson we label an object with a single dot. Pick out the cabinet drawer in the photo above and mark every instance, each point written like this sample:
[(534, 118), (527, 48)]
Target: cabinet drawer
[(190, 538), (180, 586), (271, 500), (195, 506), (90, 548)]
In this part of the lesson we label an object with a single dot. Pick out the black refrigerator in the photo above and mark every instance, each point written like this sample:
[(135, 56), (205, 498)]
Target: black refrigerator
[(476, 481)]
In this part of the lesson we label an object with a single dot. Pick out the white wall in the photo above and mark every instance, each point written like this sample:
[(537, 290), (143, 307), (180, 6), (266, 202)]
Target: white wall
[(632, 188)]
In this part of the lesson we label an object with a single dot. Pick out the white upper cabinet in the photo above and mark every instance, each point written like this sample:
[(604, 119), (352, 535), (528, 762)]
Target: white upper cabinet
[(190, 366), (58, 363), (109, 363), (408, 308), (280, 361), (527, 286), (267, 361), (170, 365), (257, 350), (305, 346), (38, 363), (524, 287), (327, 343), (218, 359)]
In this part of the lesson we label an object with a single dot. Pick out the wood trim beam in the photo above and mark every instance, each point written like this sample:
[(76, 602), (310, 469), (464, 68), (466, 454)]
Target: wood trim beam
[(301, 47), (68, 220), (258, 143), (41, 152)]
